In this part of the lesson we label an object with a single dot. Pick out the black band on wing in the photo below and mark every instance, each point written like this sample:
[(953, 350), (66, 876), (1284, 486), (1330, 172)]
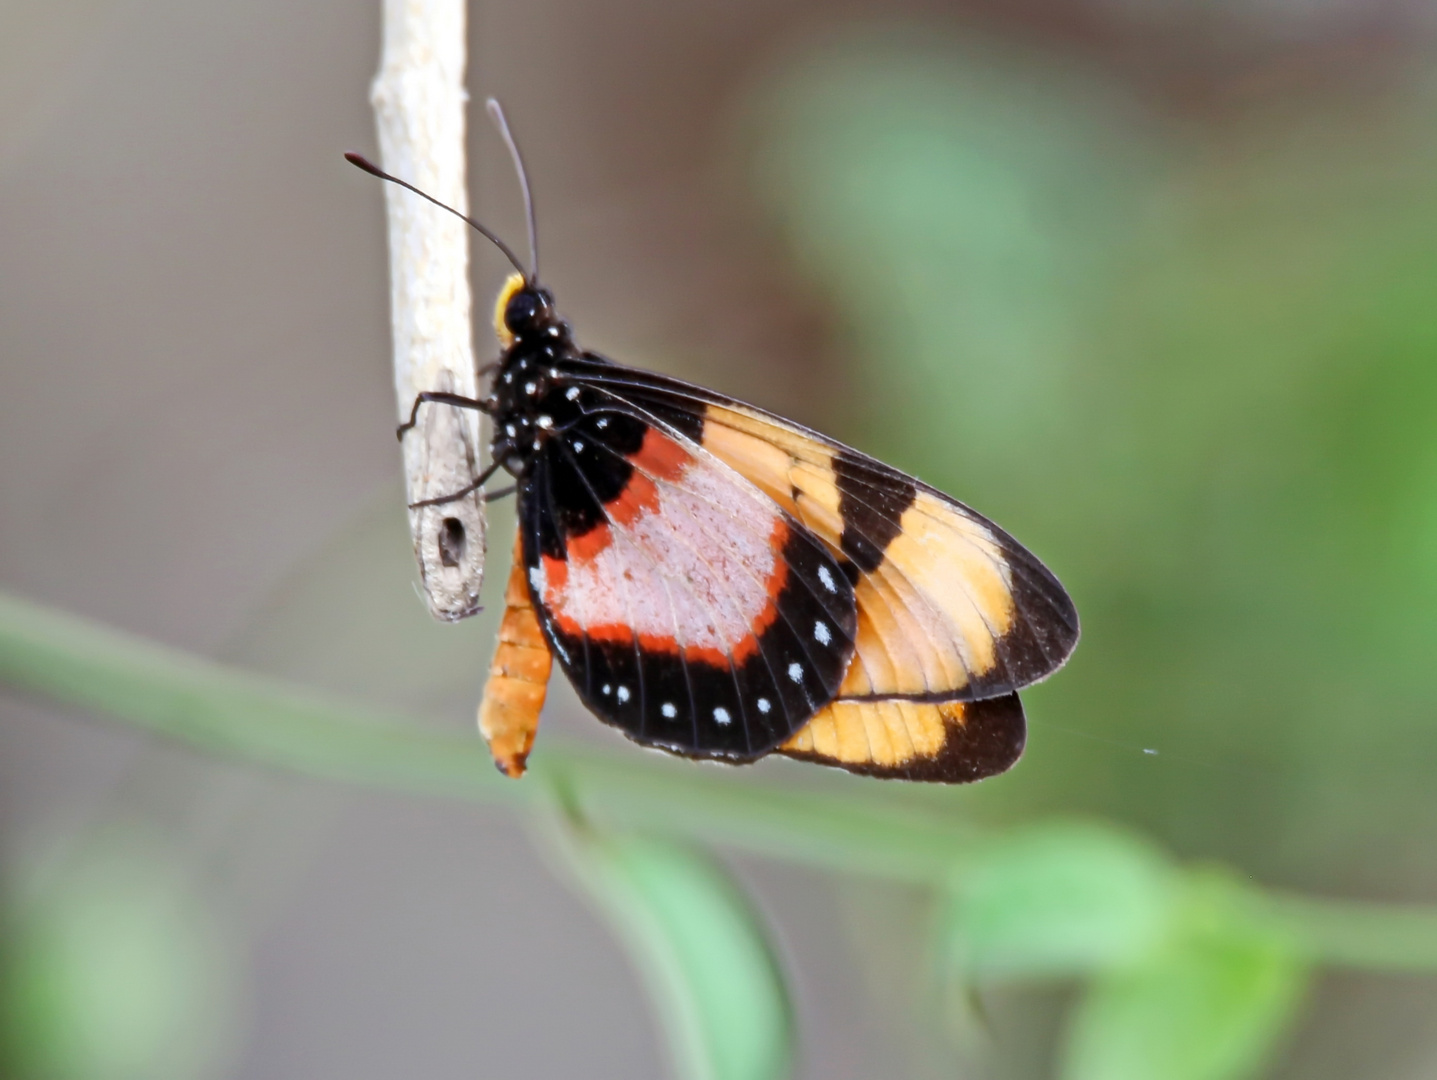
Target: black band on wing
[(871, 511)]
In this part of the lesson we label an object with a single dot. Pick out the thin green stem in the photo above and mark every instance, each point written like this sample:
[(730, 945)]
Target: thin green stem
[(1346, 933), (218, 709)]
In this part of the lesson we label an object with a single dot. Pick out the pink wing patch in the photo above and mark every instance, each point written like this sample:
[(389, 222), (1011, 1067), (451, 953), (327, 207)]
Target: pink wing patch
[(690, 561)]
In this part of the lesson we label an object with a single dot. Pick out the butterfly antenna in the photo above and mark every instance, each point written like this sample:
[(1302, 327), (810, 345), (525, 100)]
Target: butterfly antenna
[(368, 166), (496, 113)]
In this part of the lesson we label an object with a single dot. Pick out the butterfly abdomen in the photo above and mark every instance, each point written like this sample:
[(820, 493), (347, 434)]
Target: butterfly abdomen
[(518, 678)]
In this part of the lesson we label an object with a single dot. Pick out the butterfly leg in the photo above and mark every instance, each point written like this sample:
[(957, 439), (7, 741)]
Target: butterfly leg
[(439, 397), (455, 496), (518, 678)]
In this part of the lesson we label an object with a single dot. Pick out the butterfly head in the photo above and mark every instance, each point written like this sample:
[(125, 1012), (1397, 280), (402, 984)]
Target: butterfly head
[(525, 311)]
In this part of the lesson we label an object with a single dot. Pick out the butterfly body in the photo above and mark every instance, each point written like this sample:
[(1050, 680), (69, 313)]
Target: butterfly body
[(687, 608), (720, 583)]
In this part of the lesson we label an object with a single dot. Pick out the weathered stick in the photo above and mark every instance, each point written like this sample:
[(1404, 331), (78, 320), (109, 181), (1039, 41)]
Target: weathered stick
[(419, 101)]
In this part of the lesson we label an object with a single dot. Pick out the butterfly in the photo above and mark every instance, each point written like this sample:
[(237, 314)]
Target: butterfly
[(722, 583)]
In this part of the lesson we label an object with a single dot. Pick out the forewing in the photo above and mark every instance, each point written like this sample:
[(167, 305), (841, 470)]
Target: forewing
[(688, 608), (950, 607)]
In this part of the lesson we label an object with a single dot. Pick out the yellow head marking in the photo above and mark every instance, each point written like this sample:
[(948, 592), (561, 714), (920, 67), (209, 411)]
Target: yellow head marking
[(514, 283)]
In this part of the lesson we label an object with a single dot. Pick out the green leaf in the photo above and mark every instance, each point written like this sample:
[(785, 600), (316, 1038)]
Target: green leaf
[(699, 948), (117, 974), (1209, 1007), (1060, 899)]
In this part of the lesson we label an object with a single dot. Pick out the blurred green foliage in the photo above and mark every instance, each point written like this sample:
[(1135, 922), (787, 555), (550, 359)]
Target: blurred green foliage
[(1208, 1006), (116, 972), (1058, 900), (1185, 983), (1191, 365), (710, 972), (1189, 974)]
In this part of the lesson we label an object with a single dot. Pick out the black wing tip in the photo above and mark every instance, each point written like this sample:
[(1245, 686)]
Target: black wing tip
[(1043, 636)]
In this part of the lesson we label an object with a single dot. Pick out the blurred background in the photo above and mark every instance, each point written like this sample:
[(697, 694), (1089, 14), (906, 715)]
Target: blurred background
[(1153, 283)]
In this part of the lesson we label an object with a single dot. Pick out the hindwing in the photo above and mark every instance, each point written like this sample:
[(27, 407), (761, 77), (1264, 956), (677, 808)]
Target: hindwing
[(950, 742)]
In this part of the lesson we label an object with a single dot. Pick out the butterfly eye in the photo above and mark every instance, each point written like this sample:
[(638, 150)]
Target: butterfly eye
[(527, 309)]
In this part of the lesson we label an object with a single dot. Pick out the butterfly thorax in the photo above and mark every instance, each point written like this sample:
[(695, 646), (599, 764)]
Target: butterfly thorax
[(528, 394)]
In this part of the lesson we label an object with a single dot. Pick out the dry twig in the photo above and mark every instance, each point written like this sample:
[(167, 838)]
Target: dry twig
[(419, 101)]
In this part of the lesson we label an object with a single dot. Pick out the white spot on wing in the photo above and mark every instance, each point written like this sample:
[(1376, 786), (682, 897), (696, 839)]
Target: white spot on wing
[(578, 446), (608, 689), (667, 708), (764, 706), (795, 671), (545, 422), (821, 633), (529, 388), (623, 694), (603, 423), (721, 715), (825, 576), (573, 394)]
